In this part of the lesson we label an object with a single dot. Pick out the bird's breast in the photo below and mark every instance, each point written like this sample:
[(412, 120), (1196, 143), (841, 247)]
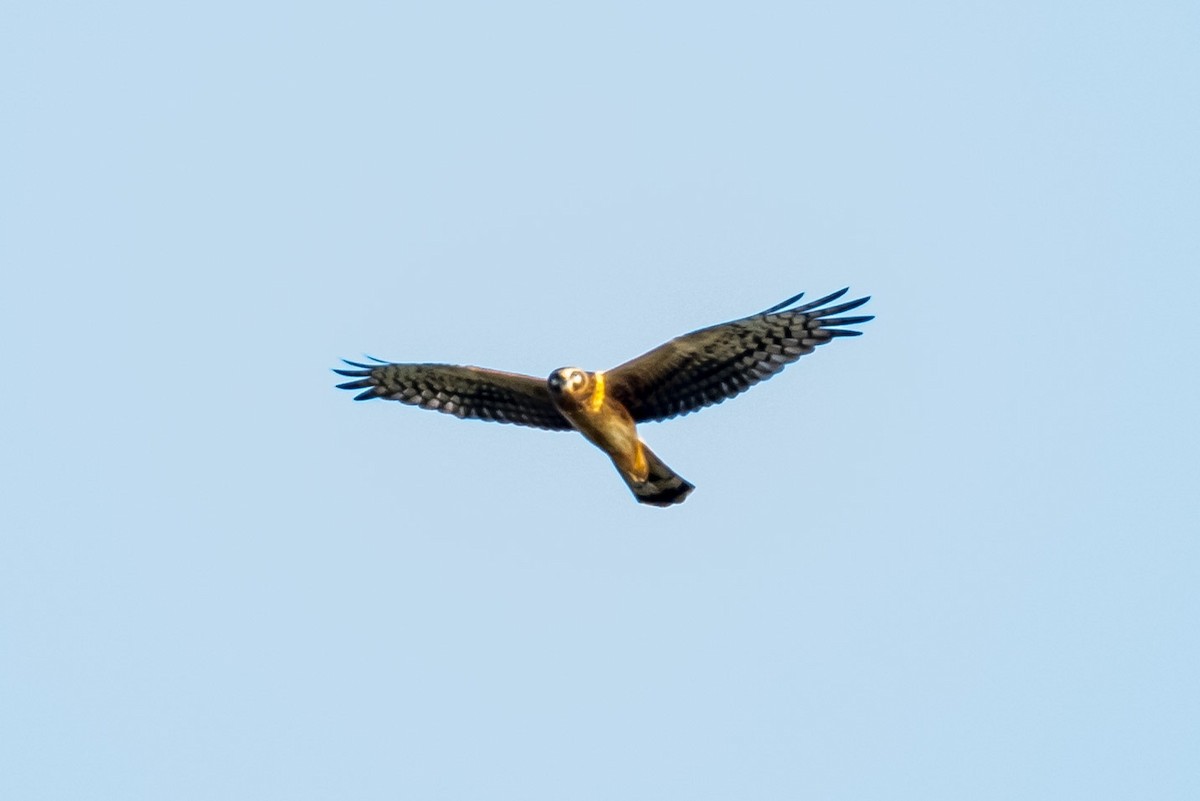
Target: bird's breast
[(600, 417)]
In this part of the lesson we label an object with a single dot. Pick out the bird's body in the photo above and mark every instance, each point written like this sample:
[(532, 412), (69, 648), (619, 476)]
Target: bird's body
[(583, 399), (605, 422), (678, 377)]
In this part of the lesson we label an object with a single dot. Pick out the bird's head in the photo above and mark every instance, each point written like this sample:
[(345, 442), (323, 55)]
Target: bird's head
[(569, 382)]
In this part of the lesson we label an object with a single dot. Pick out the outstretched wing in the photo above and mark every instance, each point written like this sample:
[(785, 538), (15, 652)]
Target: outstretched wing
[(458, 390), (707, 366)]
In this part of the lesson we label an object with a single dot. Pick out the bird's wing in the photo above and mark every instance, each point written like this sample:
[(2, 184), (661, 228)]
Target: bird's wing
[(459, 390), (707, 366)]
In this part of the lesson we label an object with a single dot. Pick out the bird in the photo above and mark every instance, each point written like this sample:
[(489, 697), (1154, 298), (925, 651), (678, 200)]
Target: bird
[(684, 375)]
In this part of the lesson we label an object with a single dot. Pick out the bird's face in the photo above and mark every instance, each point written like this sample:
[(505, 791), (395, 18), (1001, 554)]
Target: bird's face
[(568, 382)]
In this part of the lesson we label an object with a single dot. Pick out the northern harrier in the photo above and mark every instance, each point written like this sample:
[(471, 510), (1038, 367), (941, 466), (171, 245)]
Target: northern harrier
[(686, 374)]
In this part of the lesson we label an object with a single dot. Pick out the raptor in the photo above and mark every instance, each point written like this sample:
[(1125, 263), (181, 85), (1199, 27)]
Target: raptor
[(688, 373)]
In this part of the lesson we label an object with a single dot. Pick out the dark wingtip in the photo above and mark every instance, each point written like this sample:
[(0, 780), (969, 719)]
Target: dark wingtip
[(821, 301), (783, 305), (368, 395), (832, 321), (838, 309)]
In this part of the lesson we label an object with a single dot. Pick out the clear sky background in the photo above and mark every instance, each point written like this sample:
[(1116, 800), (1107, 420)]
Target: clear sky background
[(957, 557)]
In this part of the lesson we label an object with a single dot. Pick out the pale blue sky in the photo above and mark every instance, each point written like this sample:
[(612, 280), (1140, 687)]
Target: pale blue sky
[(954, 558)]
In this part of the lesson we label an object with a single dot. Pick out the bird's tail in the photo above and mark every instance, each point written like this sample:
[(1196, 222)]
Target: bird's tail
[(662, 487)]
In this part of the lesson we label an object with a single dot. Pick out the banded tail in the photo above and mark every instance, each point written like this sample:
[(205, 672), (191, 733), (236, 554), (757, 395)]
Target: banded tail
[(663, 487)]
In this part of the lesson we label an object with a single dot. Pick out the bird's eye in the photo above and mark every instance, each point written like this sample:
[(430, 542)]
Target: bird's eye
[(577, 378)]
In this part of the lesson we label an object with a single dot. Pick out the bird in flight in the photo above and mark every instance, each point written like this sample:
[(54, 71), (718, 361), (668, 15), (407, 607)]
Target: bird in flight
[(688, 373)]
